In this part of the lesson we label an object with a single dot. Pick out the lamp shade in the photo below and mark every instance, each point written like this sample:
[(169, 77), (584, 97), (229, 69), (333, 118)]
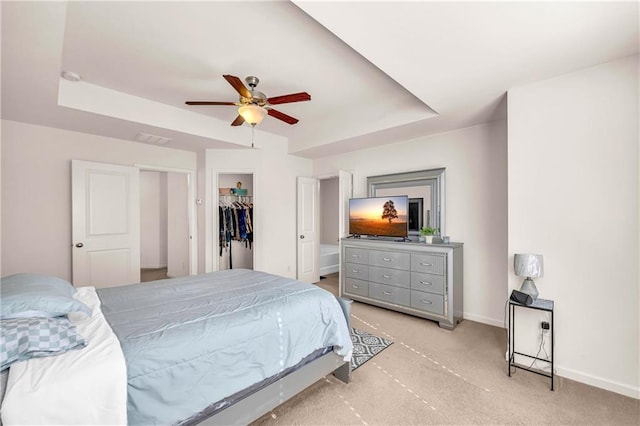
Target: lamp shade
[(252, 114), (528, 265)]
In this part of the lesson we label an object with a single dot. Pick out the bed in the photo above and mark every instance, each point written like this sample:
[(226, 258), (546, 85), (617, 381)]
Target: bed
[(225, 347), (329, 259)]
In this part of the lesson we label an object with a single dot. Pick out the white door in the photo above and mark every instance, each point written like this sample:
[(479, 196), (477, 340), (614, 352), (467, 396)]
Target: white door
[(105, 224), (308, 229), (345, 191)]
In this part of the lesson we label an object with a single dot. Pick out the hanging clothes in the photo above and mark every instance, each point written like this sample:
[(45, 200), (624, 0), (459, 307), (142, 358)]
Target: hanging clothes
[(235, 223)]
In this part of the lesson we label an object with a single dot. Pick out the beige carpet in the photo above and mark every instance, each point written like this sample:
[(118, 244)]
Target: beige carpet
[(434, 376), (147, 275)]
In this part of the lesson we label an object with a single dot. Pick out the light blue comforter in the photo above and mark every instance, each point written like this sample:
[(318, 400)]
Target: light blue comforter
[(192, 341)]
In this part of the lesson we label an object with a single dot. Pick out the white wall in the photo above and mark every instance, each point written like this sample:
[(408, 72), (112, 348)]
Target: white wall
[(36, 191), (476, 201), (573, 197), (153, 219), (274, 201), (329, 213)]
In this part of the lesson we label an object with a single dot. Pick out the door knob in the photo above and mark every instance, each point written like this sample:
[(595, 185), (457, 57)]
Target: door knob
[(79, 245), (302, 237)]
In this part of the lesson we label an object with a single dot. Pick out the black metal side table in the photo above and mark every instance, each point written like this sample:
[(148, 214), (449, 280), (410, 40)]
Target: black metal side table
[(540, 305)]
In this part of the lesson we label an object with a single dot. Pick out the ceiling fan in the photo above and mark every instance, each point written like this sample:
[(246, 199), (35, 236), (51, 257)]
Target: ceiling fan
[(254, 105)]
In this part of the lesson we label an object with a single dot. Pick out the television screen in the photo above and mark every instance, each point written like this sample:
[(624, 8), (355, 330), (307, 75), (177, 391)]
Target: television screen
[(380, 216)]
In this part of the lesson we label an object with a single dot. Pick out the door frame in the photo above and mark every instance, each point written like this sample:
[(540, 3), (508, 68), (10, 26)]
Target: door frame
[(191, 211)]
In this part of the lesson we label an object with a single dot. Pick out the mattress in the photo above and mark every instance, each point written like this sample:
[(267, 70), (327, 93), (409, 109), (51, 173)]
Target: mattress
[(191, 341)]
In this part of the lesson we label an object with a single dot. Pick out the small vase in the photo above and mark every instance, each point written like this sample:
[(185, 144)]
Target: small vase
[(428, 239)]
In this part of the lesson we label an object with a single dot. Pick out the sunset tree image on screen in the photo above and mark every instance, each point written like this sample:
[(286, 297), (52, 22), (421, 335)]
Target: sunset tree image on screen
[(389, 211), (381, 216)]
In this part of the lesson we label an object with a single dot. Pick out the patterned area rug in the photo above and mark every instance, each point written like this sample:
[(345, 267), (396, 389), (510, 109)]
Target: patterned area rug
[(366, 346)]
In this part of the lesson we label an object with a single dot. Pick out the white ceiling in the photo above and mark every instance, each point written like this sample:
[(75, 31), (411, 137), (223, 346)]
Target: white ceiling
[(378, 72)]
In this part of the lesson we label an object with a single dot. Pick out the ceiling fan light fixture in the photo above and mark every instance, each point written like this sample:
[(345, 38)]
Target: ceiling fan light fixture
[(252, 114)]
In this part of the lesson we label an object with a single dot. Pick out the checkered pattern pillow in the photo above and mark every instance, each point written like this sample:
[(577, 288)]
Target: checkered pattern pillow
[(25, 338)]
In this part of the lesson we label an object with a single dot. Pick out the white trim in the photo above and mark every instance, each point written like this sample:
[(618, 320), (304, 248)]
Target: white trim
[(327, 176), (568, 373), (599, 382), (483, 320), (191, 211)]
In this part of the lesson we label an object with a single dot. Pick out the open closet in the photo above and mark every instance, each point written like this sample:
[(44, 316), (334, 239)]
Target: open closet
[(235, 231)]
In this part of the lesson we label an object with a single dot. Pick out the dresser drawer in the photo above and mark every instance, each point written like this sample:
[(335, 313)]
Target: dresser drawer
[(355, 270), (359, 287), (356, 255), (428, 302), (427, 282), (390, 294), (429, 263), (389, 259), (395, 277)]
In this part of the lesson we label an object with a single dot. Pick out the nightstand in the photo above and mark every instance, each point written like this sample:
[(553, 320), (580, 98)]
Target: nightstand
[(539, 305)]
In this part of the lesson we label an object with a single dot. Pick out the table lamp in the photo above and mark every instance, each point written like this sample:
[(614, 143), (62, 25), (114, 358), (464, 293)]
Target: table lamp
[(528, 266)]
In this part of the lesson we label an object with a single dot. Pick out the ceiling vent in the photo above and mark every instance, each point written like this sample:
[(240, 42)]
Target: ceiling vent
[(146, 137)]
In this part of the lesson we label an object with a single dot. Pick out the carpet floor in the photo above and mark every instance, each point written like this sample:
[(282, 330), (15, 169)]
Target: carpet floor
[(432, 376)]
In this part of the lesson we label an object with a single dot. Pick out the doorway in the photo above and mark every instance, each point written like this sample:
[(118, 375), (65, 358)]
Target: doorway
[(106, 221), (337, 190), (234, 231), (329, 226), (164, 225)]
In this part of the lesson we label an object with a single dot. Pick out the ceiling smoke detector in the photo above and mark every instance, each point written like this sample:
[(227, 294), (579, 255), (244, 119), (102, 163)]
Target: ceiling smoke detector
[(70, 75)]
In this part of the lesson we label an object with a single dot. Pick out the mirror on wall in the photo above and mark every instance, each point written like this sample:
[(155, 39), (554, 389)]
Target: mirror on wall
[(426, 191)]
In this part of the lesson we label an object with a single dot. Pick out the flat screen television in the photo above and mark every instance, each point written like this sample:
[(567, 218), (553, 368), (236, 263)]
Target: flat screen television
[(379, 216)]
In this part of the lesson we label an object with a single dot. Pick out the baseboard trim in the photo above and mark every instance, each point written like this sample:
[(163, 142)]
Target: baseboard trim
[(578, 376), (484, 320), (152, 267), (599, 382)]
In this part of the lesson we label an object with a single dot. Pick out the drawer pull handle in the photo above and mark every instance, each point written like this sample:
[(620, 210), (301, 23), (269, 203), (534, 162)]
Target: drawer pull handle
[(355, 286), (355, 255), (386, 276), (426, 283), (355, 270), (426, 264), (386, 259), (386, 293), (426, 302)]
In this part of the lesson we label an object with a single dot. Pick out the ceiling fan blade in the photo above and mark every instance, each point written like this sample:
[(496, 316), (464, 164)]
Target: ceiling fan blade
[(210, 103), (237, 84), (238, 121), (293, 97), (282, 116)]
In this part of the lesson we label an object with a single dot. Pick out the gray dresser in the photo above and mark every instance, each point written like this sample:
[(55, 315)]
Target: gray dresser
[(420, 279)]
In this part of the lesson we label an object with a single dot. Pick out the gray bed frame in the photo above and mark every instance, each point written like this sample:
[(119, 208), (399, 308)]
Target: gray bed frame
[(259, 403)]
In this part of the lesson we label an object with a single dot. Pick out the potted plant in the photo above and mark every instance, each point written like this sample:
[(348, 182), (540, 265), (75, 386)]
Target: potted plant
[(428, 233)]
